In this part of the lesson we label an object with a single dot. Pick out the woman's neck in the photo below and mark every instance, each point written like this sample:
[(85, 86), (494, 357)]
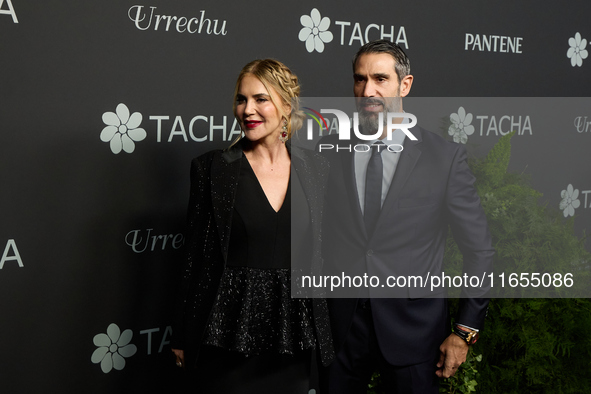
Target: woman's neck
[(265, 152)]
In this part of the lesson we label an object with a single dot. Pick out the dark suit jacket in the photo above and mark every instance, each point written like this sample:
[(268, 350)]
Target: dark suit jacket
[(432, 190), (214, 181)]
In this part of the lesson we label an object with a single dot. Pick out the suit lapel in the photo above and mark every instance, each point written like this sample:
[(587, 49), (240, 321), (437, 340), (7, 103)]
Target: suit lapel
[(408, 160), (224, 182), (310, 187), (300, 165)]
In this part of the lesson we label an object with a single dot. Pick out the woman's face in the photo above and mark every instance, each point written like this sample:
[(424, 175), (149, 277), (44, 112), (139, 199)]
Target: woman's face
[(259, 118)]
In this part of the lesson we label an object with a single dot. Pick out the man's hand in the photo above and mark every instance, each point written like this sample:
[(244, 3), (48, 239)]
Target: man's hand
[(452, 354), (180, 357)]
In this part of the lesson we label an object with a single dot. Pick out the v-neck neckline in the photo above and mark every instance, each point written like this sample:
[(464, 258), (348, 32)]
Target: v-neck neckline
[(262, 191)]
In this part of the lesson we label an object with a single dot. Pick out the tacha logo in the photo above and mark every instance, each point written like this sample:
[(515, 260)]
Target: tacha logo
[(315, 32), (577, 51), (461, 125), (122, 130), (113, 348), (570, 201)]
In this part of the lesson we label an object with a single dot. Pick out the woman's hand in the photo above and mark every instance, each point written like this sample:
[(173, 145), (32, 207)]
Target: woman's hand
[(180, 357)]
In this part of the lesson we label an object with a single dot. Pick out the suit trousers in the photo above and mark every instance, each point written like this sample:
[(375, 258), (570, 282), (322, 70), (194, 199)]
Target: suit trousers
[(360, 356)]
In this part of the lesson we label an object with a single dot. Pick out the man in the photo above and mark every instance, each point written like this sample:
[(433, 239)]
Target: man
[(395, 224)]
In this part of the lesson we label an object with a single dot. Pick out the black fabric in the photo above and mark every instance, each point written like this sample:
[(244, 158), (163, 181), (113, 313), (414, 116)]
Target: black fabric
[(254, 312), (301, 226), (373, 187), (355, 363), (432, 191), (214, 181), (219, 371), (260, 236)]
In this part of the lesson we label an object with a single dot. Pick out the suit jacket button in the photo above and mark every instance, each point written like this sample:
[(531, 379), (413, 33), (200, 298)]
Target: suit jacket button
[(370, 252)]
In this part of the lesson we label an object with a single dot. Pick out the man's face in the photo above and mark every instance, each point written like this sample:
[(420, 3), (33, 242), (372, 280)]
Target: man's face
[(375, 83)]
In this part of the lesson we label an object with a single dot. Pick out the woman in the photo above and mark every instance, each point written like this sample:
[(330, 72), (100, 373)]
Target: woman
[(235, 315)]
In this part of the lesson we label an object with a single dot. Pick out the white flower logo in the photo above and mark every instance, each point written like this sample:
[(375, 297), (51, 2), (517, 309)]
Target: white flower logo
[(461, 128), (112, 348), (315, 31), (570, 201), (122, 130), (577, 52)]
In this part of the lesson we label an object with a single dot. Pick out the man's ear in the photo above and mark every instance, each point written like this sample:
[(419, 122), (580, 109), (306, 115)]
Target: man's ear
[(405, 85)]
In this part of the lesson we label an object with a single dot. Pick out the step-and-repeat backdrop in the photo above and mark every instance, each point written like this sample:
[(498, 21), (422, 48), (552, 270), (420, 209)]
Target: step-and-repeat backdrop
[(103, 104)]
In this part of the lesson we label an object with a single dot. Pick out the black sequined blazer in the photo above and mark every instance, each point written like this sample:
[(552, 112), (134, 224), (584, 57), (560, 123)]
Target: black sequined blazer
[(214, 181)]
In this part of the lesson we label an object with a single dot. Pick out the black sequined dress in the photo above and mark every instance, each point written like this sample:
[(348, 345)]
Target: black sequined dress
[(254, 312)]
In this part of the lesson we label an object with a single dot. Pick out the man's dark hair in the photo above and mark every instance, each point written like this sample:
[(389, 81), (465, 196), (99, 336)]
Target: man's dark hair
[(401, 61)]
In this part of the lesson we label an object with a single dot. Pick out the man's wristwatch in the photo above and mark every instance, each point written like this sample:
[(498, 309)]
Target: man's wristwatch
[(469, 336)]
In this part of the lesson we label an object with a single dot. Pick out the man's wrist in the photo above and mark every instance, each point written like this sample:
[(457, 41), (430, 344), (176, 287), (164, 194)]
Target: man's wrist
[(469, 336)]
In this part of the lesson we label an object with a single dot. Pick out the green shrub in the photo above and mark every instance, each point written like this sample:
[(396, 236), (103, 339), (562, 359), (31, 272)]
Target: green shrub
[(529, 345)]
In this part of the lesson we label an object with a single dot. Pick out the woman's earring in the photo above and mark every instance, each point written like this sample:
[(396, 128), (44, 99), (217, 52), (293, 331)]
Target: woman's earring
[(283, 134)]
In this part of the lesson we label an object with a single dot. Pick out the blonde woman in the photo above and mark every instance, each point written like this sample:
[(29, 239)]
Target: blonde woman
[(237, 325)]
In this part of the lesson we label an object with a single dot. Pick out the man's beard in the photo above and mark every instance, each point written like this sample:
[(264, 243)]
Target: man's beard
[(370, 121)]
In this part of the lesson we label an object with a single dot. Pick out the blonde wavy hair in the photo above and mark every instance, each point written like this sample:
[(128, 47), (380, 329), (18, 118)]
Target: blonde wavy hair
[(276, 75)]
